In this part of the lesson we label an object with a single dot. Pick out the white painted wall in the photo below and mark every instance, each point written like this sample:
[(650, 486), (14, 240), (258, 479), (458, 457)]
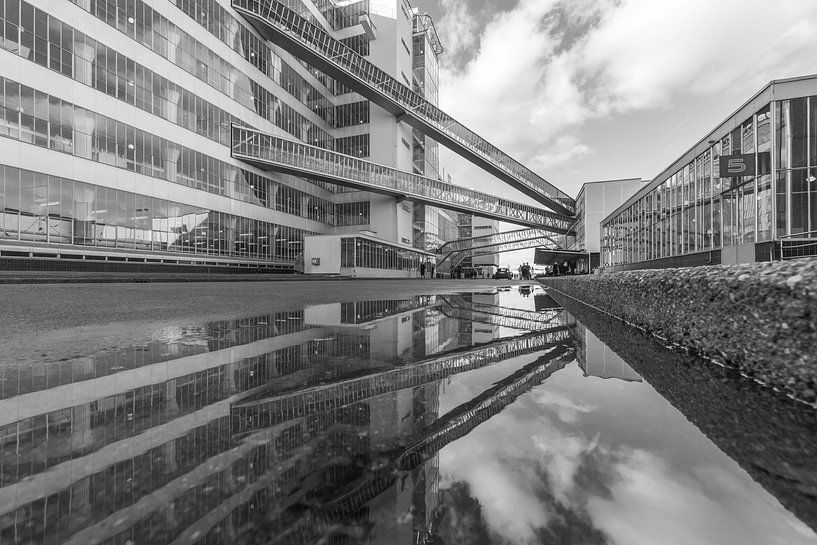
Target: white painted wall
[(325, 248), (601, 198)]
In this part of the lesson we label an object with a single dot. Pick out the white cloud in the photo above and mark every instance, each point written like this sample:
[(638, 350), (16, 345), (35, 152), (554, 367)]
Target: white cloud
[(457, 29), (654, 503), (527, 468), (546, 68)]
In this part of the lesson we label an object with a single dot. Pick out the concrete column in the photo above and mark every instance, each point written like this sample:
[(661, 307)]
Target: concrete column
[(171, 112), (233, 32), (240, 87), (229, 378), (83, 125), (83, 228), (174, 38), (171, 161), (169, 453), (172, 408), (81, 434), (83, 62)]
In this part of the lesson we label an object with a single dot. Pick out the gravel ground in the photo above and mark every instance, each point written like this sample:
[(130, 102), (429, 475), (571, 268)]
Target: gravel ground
[(759, 318)]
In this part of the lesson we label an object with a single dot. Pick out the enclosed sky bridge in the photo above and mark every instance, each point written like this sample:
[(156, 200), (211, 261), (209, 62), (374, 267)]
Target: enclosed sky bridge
[(290, 157), (495, 243), (288, 30), (263, 411), (455, 306), (454, 425)]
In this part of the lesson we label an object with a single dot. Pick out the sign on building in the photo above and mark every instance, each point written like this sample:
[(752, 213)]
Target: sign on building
[(737, 165)]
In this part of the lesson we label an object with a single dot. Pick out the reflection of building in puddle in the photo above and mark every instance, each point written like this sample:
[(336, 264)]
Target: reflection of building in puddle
[(542, 301), (474, 308), (136, 443), (399, 492), (596, 359)]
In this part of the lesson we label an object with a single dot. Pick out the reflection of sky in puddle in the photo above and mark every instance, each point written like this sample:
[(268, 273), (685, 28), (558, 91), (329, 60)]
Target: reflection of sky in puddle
[(588, 452), (585, 459)]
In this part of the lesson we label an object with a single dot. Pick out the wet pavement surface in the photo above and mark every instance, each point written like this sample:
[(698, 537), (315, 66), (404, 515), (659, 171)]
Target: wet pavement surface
[(379, 413)]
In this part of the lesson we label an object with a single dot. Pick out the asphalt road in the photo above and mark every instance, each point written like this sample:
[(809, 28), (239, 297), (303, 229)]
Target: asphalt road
[(49, 322)]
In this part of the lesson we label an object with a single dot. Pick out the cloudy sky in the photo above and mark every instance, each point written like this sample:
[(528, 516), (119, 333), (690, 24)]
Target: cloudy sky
[(600, 461), (583, 90)]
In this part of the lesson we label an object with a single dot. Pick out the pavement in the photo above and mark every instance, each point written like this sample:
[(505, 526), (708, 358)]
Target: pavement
[(130, 312), (63, 277)]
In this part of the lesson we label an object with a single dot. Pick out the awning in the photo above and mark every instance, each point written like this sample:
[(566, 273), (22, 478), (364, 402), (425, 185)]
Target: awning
[(544, 256)]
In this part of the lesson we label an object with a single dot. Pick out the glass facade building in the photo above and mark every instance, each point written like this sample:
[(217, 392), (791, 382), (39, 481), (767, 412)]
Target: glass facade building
[(115, 121), (691, 215)]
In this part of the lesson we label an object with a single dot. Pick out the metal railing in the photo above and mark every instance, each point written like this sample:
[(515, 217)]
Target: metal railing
[(299, 159), (798, 245), (273, 410), (292, 32), (494, 319), (530, 316), (450, 427), (494, 239), (457, 250)]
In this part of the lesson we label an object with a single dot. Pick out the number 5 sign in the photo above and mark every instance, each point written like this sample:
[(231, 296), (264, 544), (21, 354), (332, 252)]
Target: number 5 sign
[(737, 165)]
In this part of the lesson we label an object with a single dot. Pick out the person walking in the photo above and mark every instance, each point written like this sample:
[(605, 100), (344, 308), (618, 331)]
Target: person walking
[(422, 270), (432, 271)]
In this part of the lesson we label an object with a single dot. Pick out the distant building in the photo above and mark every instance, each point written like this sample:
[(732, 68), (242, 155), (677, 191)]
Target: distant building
[(745, 192), (582, 246), (473, 226), (115, 135)]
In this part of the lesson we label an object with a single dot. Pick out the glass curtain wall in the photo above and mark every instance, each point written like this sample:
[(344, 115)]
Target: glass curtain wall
[(31, 116), (361, 252), (38, 207), (694, 210), (796, 154)]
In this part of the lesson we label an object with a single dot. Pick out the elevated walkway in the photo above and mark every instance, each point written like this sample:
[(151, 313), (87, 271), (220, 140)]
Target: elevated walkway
[(494, 240), (455, 306), (457, 250), (263, 412), (288, 30), (270, 152), (448, 428)]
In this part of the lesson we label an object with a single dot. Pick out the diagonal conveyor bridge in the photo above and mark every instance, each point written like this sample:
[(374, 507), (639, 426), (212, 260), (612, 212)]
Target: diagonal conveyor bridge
[(288, 30)]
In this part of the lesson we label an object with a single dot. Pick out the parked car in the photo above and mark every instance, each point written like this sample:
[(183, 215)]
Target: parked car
[(503, 273)]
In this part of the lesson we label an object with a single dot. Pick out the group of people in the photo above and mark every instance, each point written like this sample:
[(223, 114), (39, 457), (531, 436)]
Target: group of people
[(525, 271), (562, 270), (426, 267)]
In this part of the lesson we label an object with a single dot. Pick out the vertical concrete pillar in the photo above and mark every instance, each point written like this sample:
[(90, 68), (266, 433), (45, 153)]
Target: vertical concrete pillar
[(172, 406), (172, 106), (174, 38), (83, 61), (83, 124), (171, 164), (84, 231), (229, 378), (169, 453), (233, 34), (81, 434)]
